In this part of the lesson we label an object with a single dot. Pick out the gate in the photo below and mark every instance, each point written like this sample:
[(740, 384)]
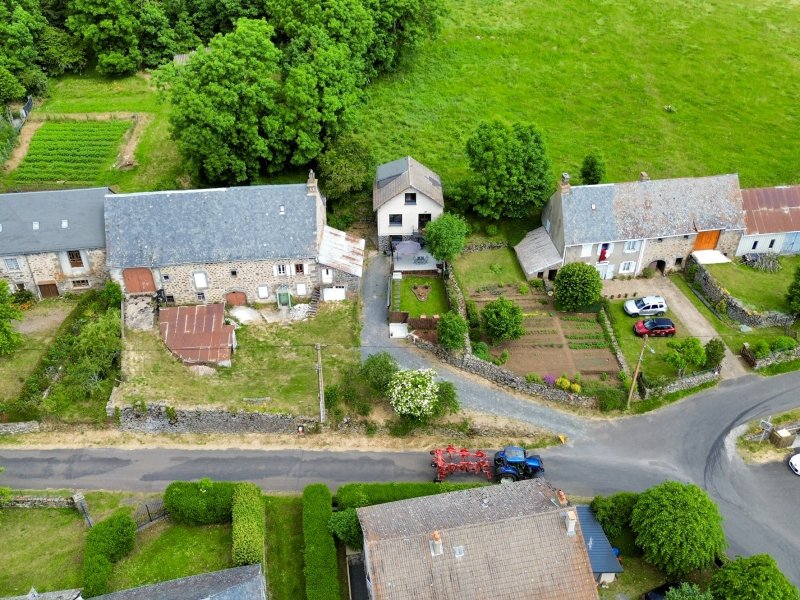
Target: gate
[(236, 298)]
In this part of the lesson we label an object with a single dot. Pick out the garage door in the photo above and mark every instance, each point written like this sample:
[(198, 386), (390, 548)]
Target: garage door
[(139, 281), (236, 298), (706, 240), (333, 293), (48, 290)]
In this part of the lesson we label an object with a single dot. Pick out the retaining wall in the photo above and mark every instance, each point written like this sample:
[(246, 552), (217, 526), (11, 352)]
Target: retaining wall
[(39, 502), (605, 323), (684, 383), (455, 297), (16, 428), (773, 359)]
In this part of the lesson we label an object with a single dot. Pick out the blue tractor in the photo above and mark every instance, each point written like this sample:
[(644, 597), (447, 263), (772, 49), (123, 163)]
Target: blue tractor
[(514, 463)]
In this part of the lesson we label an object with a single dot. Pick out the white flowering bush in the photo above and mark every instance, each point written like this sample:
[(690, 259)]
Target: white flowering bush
[(414, 393)]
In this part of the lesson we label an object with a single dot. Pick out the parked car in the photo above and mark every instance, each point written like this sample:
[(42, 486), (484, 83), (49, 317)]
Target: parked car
[(659, 593), (794, 463), (646, 307), (655, 327)]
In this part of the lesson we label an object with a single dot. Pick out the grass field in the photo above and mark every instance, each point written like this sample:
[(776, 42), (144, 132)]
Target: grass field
[(598, 75), (284, 547), (757, 289), (488, 267)]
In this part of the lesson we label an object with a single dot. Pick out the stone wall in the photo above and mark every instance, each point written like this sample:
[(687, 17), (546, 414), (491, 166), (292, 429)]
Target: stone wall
[(455, 298), (480, 246), (17, 428), (606, 325), (160, 418), (733, 307), (684, 383), (773, 359), (500, 376), (39, 502), (54, 267)]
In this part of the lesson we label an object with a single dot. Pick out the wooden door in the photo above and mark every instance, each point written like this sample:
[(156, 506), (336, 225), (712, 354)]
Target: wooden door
[(236, 298), (48, 290), (706, 240), (139, 281)]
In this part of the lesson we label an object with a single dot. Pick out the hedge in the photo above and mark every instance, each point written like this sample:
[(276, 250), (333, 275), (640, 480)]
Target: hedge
[(204, 502), (321, 567), (347, 528), (249, 525), (614, 512), (106, 543), (355, 495)]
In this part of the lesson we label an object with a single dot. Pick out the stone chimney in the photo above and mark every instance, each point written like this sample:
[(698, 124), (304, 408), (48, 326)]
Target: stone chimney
[(312, 182), (570, 519), (643, 176), (563, 185), (437, 548)]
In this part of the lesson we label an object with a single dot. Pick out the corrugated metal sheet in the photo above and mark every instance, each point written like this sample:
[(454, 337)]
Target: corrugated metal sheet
[(601, 556), (395, 177), (341, 251), (197, 334), (772, 210)]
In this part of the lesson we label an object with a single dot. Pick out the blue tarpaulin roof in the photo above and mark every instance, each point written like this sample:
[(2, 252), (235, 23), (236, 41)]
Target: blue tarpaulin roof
[(601, 556)]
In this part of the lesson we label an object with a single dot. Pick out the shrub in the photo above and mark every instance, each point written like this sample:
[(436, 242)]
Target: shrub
[(793, 293), (523, 289), (721, 307), (481, 350), (412, 393), (199, 503), (593, 168), (549, 379), (536, 284), (563, 383), (609, 399), (111, 295), (23, 297), (492, 230), (715, 352), (614, 512), (502, 320), (249, 526), (106, 543), (688, 591), (690, 272), (761, 349), (783, 343), (378, 369), (577, 285), (446, 399), (502, 359), (97, 571), (450, 330), (575, 388), (534, 378), (473, 316), (320, 563), (648, 273), (346, 527)]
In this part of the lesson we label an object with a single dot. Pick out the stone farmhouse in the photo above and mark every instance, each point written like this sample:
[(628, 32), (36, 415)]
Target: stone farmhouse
[(406, 196), (53, 242), (503, 542), (622, 228), (772, 220), (234, 245)]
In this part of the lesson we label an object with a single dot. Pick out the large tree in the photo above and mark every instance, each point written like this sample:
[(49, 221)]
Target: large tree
[(10, 338), (753, 578), (502, 320), (111, 29), (577, 285), (510, 170), (346, 167), (678, 527), (445, 236)]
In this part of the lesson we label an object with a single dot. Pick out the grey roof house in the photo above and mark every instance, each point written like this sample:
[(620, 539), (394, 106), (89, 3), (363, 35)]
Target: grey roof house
[(500, 542), (54, 241), (622, 228)]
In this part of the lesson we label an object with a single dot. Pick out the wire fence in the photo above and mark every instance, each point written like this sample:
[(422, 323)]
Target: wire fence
[(149, 512)]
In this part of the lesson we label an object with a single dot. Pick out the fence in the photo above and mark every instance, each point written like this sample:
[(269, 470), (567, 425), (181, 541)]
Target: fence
[(18, 122), (148, 513)]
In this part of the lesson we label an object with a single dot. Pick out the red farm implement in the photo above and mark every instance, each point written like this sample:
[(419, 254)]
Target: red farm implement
[(451, 460)]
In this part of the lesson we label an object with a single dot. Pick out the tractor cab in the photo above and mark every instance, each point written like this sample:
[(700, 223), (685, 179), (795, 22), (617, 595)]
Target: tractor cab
[(514, 463)]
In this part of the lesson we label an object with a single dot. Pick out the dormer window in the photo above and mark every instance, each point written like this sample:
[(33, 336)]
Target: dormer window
[(282, 210), (1, 228), (64, 223), (36, 225), (411, 197)]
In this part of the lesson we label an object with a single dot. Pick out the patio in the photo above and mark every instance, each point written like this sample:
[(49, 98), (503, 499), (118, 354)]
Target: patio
[(410, 256)]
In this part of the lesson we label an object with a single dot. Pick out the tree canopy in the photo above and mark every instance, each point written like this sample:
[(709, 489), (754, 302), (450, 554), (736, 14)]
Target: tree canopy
[(753, 578), (688, 591), (451, 330), (678, 527), (685, 353), (502, 320), (577, 285), (445, 236), (510, 170), (346, 167), (593, 169), (793, 293)]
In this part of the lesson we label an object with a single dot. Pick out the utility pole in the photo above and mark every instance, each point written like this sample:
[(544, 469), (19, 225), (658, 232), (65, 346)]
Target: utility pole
[(636, 371), (321, 384)]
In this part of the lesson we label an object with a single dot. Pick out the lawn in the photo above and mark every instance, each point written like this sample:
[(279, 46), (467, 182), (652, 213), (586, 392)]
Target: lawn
[(488, 268), (403, 297), (272, 361), (600, 75), (169, 550), (759, 290), (284, 547)]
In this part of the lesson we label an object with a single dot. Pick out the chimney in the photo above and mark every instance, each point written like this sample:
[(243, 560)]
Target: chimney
[(562, 498), (643, 176), (570, 520), (312, 182), (563, 185), (437, 548)]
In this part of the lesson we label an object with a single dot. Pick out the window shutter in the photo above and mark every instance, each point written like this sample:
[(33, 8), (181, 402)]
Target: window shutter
[(275, 270), (306, 268)]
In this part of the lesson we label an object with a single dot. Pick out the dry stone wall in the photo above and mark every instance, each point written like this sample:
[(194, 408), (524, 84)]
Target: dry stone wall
[(455, 298), (39, 502), (481, 246), (17, 428), (773, 359), (684, 383)]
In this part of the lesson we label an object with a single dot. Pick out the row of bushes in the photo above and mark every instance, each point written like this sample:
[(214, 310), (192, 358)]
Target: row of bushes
[(106, 543), (249, 525), (321, 570), (203, 502), (356, 495)]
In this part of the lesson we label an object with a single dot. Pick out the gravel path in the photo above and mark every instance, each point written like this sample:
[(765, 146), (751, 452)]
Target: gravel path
[(473, 392)]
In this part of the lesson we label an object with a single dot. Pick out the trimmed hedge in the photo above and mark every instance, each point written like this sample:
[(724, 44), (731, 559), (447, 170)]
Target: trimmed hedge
[(249, 525), (347, 528), (203, 502), (320, 568), (355, 495), (106, 543)]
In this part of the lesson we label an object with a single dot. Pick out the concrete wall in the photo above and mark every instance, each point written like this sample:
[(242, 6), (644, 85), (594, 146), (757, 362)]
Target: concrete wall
[(54, 268), (762, 243), (410, 212)]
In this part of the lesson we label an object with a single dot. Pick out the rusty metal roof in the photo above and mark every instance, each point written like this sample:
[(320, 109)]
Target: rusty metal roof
[(486, 533), (772, 210), (395, 177), (197, 334), (341, 251)]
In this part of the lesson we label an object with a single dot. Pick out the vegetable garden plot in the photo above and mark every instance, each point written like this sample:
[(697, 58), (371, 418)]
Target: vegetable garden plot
[(75, 152)]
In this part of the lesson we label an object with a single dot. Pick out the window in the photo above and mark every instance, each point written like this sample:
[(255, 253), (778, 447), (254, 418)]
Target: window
[(679, 261), (263, 291), (234, 273), (298, 269), (170, 299), (771, 244), (605, 250), (395, 220), (36, 225), (281, 270), (165, 278), (64, 223), (686, 237), (200, 281), (12, 264), (411, 197), (586, 250), (20, 287), (80, 283), (660, 239), (627, 267), (755, 245), (75, 260), (631, 246), (282, 210), (201, 296)]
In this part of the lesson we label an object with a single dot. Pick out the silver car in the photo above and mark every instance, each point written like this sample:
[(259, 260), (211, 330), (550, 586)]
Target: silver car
[(647, 306)]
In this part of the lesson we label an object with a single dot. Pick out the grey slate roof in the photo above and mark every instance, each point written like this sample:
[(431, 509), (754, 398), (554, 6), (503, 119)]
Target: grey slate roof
[(651, 209), (394, 177), (82, 208), (536, 252), (501, 542), (601, 556), (241, 583), (208, 226)]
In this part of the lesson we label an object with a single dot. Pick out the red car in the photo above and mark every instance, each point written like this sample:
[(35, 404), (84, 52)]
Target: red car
[(653, 327)]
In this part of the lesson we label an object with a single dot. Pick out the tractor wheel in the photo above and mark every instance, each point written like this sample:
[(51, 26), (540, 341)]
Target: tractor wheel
[(506, 478)]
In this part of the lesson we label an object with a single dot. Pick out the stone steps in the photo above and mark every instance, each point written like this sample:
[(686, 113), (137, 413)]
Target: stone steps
[(314, 304)]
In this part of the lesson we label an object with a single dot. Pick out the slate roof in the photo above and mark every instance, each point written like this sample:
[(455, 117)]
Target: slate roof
[(772, 210), (206, 226), (512, 540), (241, 583), (341, 251), (197, 334), (58, 595), (651, 209), (601, 556), (395, 177), (536, 252), (82, 208)]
